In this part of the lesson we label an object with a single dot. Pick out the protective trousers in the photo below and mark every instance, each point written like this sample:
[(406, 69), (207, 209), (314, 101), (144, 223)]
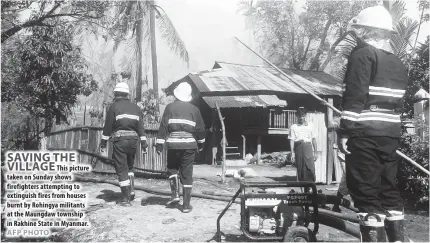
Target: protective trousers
[(123, 154), (371, 171), (180, 161)]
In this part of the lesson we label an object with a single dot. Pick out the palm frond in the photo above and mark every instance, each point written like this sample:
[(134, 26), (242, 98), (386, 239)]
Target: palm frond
[(246, 7), (170, 35), (397, 11), (399, 42)]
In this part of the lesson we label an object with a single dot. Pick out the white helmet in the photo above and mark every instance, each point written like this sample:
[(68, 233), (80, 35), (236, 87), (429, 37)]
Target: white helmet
[(373, 17), (122, 87), (183, 92)]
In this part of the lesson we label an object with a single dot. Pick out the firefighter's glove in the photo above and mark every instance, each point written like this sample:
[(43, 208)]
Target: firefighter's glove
[(159, 148), (103, 145), (342, 144), (143, 145), (200, 146)]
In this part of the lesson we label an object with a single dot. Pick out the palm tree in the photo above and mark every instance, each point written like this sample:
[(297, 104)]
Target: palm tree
[(133, 27)]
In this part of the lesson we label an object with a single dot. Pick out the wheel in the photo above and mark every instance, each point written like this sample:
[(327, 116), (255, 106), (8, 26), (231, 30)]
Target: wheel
[(299, 234)]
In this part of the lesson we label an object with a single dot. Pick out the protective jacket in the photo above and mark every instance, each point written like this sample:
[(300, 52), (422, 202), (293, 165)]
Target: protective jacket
[(181, 127), (374, 83), (123, 117)]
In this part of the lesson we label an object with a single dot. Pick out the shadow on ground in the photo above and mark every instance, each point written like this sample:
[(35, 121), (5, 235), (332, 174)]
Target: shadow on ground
[(154, 201), (109, 196), (230, 238), (284, 178)]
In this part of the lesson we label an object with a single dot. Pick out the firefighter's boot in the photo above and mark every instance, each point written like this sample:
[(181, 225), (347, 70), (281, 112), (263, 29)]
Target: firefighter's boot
[(187, 198), (372, 227), (336, 207), (131, 178), (125, 191), (394, 226), (174, 187)]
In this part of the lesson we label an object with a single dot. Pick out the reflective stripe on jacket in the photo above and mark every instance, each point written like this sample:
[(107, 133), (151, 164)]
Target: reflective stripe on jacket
[(123, 115), (374, 83), (181, 127)]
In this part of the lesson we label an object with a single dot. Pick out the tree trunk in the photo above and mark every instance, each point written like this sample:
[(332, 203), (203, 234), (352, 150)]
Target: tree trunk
[(153, 49), (315, 60), (303, 60), (139, 42)]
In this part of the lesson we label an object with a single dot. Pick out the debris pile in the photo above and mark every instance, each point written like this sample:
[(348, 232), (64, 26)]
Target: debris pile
[(279, 158)]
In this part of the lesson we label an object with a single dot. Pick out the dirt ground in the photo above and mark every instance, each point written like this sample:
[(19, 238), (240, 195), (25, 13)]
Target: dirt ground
[(148, 219)]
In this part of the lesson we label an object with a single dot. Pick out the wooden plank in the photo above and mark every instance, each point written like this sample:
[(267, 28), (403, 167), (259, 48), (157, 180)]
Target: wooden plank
[(320, 128), (76, 139), (69, 140), (258, 150), (213, 137), (264, 132), (330, 141), (92, 140)]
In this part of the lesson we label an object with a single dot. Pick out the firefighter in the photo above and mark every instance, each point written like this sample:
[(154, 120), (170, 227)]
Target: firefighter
[(182, 132), (124, 123), (370, 127)]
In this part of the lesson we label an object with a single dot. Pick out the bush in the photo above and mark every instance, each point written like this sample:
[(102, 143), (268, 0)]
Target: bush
[(414, 183)]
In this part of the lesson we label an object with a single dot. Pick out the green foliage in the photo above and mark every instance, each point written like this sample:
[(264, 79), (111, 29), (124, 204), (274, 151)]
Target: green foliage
[(413, 182), (418, 76), (149, 106), (131, 27), (81, 14), (304, 40), (44, 72), (18, 129)]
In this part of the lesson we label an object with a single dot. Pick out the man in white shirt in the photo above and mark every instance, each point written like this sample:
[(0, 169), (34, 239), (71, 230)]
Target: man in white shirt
[(303, 147)]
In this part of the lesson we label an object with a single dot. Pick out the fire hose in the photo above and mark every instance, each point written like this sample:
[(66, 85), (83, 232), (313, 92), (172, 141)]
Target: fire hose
[(327, 104), (343, 222), (152, 191), (322, 198)]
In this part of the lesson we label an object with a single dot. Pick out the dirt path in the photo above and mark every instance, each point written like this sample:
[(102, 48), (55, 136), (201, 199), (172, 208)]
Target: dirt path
[(148, 219)]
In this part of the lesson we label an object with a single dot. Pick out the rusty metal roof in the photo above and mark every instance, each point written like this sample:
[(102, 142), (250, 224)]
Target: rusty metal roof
[(244, 101), (229, 77)]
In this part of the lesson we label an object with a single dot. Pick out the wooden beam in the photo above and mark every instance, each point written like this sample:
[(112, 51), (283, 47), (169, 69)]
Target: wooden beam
[(243, 147), (258, 149), (330, 142), (214, 139), (224, 140)]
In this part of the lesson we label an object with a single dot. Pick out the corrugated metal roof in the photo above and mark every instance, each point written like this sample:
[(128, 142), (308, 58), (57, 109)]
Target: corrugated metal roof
[(239, 77), (244, 101)]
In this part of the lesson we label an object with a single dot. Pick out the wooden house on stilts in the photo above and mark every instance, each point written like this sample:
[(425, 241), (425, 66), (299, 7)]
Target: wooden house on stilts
[(259, 105)]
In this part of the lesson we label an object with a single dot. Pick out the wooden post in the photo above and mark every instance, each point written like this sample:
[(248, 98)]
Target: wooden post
[(214, 137), (224, 140), (258, 149), (243, 146), (330, 142), (85, 112)]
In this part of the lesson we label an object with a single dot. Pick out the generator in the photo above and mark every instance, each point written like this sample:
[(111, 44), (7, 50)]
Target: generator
[(276, 211)]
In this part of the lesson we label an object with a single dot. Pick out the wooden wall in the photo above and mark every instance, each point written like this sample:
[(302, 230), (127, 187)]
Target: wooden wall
[(319, 122), (88, 138)]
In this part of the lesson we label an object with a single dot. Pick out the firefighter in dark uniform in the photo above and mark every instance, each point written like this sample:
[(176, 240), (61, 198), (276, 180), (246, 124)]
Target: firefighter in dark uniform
[(370, 127), (182, 132), (124, 123)]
